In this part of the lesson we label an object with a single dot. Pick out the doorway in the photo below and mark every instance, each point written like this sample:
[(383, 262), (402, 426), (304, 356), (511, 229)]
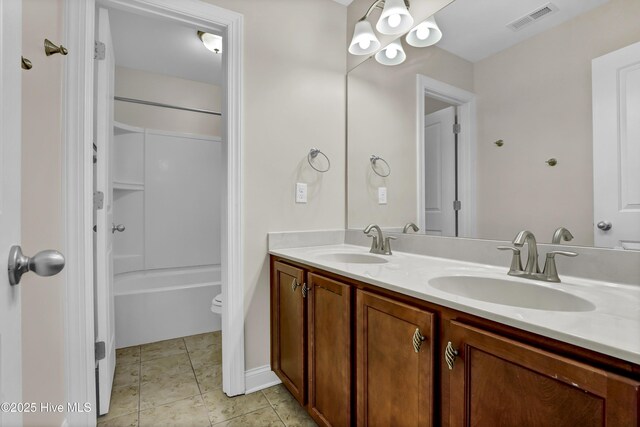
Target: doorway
[(445, 146), (158, 144), (80, 20)]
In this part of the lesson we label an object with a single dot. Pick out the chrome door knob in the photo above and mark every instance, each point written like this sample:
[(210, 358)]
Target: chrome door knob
[(119, 227), (604, 225), (44, 263)]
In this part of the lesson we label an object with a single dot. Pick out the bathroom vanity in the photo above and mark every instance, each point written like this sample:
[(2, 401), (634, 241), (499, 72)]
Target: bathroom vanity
[(362, 339)]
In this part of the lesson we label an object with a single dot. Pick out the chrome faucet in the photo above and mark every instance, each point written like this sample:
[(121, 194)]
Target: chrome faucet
[(532, 254), (532, 270), (380, 245), (411, 226), (560, 235)]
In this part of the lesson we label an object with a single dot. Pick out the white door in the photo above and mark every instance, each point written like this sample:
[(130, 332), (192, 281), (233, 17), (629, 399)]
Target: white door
[(104, 303), (10, 148), (439, 172), (616, 148)]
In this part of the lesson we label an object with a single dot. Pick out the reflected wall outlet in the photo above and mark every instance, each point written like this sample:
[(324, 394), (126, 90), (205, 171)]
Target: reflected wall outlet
[(382, 195), (301, 192)]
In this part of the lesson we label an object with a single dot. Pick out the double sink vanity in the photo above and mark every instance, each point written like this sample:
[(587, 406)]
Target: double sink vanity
[(362, 338), (491, 130)]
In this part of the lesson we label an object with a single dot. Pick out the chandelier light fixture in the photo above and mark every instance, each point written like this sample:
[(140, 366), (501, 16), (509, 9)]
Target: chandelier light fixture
[(393, 54), (395, 19)]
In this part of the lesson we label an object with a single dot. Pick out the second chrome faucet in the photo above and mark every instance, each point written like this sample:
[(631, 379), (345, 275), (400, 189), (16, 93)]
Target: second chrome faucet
[(532, 268)]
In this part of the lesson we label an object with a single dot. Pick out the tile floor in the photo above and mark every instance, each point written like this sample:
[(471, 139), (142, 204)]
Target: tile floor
[(179, 383)]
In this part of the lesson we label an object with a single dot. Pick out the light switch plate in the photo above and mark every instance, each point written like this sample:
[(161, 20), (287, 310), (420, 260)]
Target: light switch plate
[(382, 195), (301, 192)]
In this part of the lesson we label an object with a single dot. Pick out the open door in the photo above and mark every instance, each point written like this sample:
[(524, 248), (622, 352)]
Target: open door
[(10, 180), (104, 302), (616, 148), (440, 173)]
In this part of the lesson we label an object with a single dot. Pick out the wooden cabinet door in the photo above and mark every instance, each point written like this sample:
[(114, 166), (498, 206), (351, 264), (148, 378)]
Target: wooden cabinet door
[(496, 382), (329, 351), (394, 378), (288, 328)]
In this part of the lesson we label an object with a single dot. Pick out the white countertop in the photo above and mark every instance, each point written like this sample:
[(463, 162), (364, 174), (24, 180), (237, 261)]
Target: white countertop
[(612, 327)]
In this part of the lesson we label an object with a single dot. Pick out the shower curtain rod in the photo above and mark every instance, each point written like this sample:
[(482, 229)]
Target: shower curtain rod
[(159, 104)]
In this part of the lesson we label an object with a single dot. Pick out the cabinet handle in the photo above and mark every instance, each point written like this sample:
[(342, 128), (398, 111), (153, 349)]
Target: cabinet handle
[(305, 290), (417, 340), (450, 354), (294, 284)]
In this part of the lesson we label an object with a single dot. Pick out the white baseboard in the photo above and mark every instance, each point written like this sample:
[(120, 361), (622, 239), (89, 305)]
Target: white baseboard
[(260, 378)]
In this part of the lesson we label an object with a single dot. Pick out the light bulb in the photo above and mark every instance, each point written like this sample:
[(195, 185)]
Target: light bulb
[(391, 53), (394, 20), (364, 44), (422, 32)]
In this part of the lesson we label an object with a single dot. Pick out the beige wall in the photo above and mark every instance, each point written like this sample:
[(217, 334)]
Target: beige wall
[(147, 86), (382, 121), (42, 316), (536, 96), (294, 99)]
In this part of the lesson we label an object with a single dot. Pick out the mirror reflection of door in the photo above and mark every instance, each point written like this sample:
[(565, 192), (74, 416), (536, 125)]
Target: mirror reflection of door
[(616, 148), (440, 166)]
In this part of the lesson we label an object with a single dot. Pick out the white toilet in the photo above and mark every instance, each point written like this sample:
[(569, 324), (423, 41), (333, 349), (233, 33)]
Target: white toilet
[(216, 304)]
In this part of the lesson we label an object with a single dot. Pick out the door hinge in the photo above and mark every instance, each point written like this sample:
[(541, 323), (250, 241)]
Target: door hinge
[(99, 51), (98, 200), (456, 128), (101, 351), (457, 205)]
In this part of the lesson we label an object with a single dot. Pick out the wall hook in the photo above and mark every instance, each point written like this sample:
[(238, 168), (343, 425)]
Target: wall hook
[(26, 64), (50, 48), (552, 162)]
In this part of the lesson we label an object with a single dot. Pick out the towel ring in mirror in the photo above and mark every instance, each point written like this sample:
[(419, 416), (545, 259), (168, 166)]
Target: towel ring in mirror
[(373, 160), (313, 153)]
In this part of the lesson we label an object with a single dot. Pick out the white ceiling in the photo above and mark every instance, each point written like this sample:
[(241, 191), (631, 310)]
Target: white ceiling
[(162, 47), (474, 29), (344, 2)]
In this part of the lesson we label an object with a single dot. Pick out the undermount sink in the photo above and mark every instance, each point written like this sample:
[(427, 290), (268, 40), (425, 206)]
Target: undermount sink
[(353, 258), (508, 292)]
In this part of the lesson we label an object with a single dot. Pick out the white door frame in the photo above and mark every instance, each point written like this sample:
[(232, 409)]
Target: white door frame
[(466, 103), (11, 353), (78, 186)]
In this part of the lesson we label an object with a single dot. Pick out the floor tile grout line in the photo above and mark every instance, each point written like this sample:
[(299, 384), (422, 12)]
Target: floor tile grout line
[(193, 369), (242, 415), (139, 385), (274, 409)]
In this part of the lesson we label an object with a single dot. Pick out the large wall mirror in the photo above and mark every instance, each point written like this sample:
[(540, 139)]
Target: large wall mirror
[(525, 115)]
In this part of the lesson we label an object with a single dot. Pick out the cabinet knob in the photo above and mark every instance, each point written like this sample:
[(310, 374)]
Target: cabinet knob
[(450, 355), (305, 290), (418, 338), (294, 284)]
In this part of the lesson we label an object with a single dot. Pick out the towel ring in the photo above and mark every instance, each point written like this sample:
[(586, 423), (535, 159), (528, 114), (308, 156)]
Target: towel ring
[(373, 160), (313, 153)]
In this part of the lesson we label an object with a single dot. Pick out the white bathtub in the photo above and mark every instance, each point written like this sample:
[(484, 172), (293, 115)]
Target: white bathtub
[(163, 304)]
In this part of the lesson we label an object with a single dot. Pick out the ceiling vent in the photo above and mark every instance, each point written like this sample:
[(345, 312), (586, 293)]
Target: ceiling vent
[(532, 17)]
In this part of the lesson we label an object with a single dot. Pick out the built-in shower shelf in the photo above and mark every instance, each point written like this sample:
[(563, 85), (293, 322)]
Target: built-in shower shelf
[(128, 186)]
